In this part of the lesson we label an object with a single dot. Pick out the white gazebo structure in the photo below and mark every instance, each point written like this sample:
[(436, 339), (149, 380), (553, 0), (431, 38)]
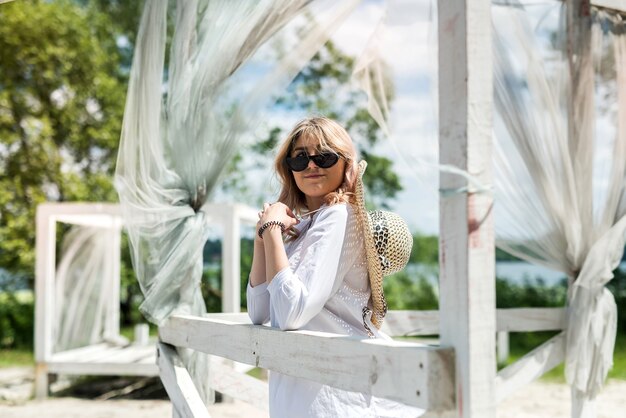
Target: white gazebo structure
[(110, 354), (458, 377)]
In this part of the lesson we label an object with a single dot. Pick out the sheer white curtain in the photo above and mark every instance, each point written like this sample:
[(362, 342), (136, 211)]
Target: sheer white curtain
[(173, 152), (85, 280), (558, 182)]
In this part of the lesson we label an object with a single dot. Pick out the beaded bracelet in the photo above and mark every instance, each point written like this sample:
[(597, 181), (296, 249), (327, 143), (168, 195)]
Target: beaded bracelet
[(268, 224)]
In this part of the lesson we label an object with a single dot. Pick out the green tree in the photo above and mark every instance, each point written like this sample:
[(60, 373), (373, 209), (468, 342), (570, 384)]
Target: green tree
[(404, 292), (61, 103), (425, 250), (324, 87)]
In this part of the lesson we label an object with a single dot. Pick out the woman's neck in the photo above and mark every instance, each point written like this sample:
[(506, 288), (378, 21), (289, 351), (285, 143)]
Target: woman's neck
[(314, 203)]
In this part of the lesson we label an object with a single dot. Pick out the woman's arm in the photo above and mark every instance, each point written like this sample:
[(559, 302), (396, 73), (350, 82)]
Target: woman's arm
[(257, 272), (298, 295), (275, 254), (257, 296)]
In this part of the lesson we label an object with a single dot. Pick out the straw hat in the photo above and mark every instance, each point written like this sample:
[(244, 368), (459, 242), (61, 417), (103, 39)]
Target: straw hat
[(388, 244)]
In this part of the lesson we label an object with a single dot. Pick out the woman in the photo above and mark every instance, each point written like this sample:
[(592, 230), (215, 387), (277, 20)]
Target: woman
[(318, 280)]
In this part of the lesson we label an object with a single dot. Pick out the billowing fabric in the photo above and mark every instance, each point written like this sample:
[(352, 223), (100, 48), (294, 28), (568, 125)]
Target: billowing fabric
[(324, 288), (85, 281), (172, 153), (560, 183)]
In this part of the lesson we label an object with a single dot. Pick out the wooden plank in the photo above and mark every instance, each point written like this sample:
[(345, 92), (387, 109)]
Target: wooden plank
[(410, 323), (78, 208), (221, 212), (531, 319), (82, 213), (467, 260), (105, 369), (412, 373), (610, 5), (502, 346), (82, 354), (533, 365), (41, 380), (45, 264), (112, 320), (147, 360), (235, 317), (231, 257), (581, 129), (104, 353), (177, 382), (130, 354), (228, 381)]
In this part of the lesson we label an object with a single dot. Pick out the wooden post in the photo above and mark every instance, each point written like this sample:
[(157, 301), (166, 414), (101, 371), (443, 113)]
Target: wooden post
[(503, 346), (186, 401), (231, 271), (45, 256), (581, 129), (466, 255), (610, 5), (112, 324)]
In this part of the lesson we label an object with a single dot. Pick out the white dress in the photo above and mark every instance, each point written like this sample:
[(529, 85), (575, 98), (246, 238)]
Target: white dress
[(325, 288)]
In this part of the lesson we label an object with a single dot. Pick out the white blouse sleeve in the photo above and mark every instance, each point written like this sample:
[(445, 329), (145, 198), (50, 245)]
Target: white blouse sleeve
[(299, 292), (258, 301)]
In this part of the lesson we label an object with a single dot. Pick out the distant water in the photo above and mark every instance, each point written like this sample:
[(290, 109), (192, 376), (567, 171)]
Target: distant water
[(517, 272), (11, 281)]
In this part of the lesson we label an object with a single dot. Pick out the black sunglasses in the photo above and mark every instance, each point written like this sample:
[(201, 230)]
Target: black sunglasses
[(301, 161)]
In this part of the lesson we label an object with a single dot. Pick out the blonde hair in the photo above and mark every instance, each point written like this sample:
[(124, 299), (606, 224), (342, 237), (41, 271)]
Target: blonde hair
[(331, 137)]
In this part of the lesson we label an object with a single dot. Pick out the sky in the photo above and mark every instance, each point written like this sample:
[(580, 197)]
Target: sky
[(413, 137), (409, 47), (410, 50)]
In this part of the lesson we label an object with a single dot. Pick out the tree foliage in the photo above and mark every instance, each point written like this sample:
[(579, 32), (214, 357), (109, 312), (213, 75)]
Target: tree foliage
[(324, 87), (61, 103)]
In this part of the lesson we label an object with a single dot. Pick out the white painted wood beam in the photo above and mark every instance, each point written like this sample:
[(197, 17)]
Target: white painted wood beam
[(610, 5), (104, 369), (231, 257), (228, 381), (112, 324), (180, 388), (45, 265), (466, 250), (530, 367), (411, 373), (530, 319), (409, 323)]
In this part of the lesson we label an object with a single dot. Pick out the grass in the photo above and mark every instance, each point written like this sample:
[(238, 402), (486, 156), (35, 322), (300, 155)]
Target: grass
[(129, 331), (16, 357), (258, 373)]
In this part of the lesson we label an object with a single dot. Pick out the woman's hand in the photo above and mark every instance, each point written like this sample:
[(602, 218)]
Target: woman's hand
[(277, 212)]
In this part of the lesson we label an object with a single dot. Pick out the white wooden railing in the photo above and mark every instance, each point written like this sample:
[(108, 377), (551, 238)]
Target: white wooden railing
[(93, 359), (413, 373)]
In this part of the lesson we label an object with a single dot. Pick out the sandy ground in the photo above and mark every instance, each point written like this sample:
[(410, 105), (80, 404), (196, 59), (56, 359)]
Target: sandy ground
[(552, 400), (537, 400), (80, 408)]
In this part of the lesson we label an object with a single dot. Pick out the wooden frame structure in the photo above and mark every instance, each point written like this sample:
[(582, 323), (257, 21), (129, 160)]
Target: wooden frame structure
[(104, 358), (457, 378)]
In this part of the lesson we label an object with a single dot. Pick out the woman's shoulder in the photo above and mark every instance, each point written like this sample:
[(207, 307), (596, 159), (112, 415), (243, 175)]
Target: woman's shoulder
[(337, 210)]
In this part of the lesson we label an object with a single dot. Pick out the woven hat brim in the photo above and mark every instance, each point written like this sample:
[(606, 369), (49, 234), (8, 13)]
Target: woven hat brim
[(375, 271)]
